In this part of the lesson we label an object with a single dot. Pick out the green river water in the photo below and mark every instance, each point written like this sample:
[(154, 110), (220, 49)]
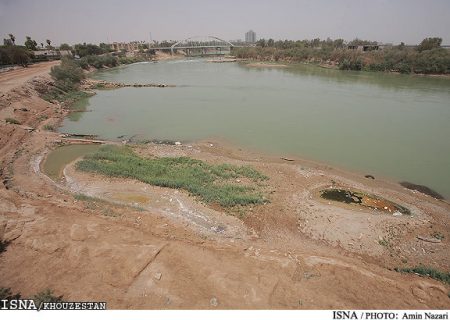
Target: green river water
[(391, 125)]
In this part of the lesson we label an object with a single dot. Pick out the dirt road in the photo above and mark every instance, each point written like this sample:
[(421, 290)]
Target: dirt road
[(15, 78)]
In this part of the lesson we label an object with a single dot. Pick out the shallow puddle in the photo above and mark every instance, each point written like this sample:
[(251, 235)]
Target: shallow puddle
[(364, 200), (57, 159)]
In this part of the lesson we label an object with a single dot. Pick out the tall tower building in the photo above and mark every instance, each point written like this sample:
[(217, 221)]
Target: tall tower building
[(250, 37)]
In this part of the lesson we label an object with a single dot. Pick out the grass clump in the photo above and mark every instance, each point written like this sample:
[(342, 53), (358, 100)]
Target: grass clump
[(12, 121), (49, 127), (7, 294), (385, 243), (211, 183), (428, 272), (83, 197), (438, 235), (46, 296), (42, 117), (91, 203), (3, 245), (39, 298), (64, 94)]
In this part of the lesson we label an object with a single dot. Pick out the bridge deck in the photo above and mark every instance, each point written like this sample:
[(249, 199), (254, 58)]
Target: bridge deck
[(191, 47)]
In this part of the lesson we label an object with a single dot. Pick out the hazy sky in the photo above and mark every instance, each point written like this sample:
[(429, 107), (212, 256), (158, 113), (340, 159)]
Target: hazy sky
[(125, 20)]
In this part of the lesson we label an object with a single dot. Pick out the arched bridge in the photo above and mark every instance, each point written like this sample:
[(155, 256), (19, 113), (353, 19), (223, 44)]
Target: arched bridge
[(199, 46)]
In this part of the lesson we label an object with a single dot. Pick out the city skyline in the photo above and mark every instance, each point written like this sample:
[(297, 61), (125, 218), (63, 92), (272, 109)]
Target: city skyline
[(385, 21)]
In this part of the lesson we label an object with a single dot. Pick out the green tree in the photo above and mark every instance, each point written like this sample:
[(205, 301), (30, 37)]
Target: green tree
[(105, 47), (48, 43), (338, 43), (84, 49), (359, 42), (261, 43), (270, 43), (14, 55), (68, 74), (65, 46), (429, 43), (30, 44)]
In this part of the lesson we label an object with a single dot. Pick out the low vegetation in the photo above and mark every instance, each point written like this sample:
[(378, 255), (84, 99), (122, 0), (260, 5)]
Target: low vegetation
[(12, 121), (91, 203), (385, 243), (211, 183), (98, 61), (437, 235), (46, 295), (67, 76), (130, 60), (428, 272), (106, 60), (107, 209), (6, 294), (49, 127), (3, 245)]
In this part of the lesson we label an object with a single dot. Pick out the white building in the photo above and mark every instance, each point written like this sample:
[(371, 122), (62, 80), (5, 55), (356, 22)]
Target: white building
[(250, 37)]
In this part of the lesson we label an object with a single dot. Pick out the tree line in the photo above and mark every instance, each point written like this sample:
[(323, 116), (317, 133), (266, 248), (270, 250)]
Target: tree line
[(11, 53), (428, 57)]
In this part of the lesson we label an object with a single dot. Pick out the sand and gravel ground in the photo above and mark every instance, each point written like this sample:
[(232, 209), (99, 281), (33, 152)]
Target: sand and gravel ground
[(298, 251)]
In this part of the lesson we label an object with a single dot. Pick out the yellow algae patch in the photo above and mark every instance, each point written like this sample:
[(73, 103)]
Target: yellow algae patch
[(131, 197)]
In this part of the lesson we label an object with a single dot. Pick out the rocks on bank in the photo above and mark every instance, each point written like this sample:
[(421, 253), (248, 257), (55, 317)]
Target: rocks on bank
[(91, 84)]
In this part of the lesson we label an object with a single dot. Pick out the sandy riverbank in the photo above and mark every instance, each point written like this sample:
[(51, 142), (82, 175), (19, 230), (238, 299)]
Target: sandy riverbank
[(298, 251)]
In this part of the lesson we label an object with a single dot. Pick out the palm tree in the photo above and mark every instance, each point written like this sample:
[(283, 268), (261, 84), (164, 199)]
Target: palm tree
[(48, 42), (42, 45), (13, 39)]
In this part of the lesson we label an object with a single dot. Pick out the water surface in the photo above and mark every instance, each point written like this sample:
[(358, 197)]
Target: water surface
[(385, 124)]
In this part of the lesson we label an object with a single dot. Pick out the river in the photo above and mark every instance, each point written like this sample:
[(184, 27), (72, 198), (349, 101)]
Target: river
[(387, 124)]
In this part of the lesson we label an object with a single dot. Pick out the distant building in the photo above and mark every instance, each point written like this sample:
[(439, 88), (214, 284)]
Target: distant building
[(250, 37), (130, 46), (366, 47), (51, 54)]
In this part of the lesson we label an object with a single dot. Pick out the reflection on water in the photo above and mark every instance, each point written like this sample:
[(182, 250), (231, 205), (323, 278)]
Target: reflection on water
[(384, 124), (79, 107)]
